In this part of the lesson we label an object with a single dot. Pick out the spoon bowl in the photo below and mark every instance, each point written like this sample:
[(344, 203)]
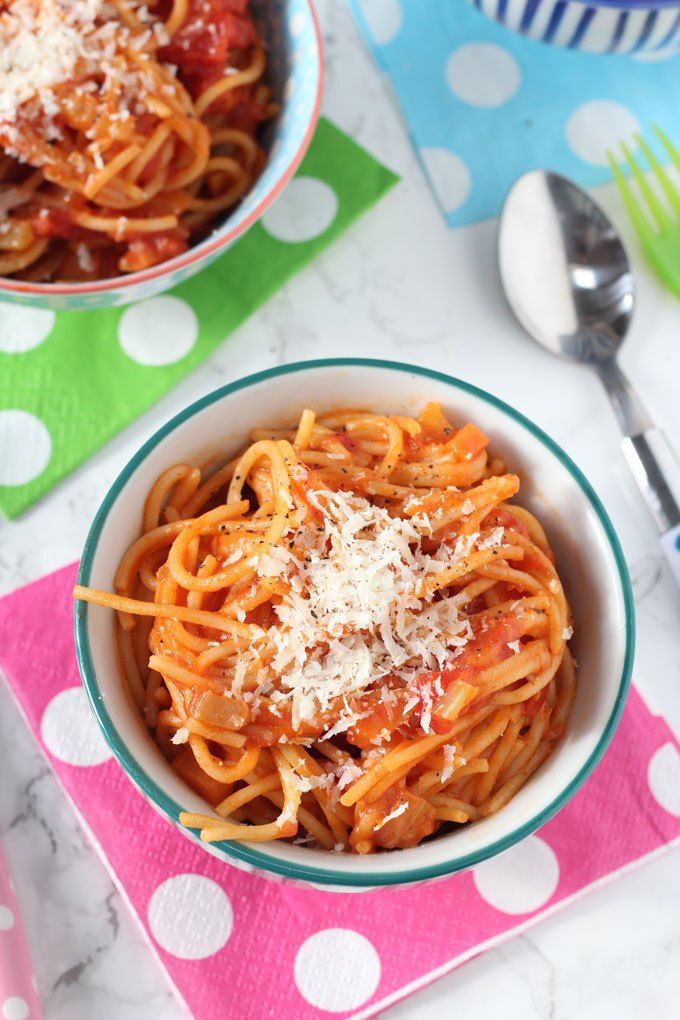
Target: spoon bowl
[(566, 273)]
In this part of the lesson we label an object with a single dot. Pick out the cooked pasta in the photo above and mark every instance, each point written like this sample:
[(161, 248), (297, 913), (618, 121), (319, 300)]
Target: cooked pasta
[(350, 635), (125, 130)]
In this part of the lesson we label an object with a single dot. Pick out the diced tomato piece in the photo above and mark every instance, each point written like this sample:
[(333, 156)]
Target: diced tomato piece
[(349, 442), (488, 648), (414, 820), (429, 545), (376, 717), (433, 421), (202, 46), (505, 519), (149, 251), (469, 442), (54, 223), (412, 443), (245, 113)]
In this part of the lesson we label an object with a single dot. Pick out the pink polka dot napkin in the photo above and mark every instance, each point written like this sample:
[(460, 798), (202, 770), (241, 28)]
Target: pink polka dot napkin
[(234, 944)]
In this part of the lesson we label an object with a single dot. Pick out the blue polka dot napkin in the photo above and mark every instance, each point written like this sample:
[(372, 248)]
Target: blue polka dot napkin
[(483, 104)]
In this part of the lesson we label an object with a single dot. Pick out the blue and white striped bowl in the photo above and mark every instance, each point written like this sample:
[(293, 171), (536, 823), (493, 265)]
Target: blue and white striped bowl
[(597, 26)]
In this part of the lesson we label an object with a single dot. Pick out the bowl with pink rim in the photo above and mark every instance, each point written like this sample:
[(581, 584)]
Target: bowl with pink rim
[(295, 75)]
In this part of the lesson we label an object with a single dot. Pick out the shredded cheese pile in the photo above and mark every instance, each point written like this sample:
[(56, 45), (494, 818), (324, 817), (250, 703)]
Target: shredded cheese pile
[(352, 616), (44, 43)]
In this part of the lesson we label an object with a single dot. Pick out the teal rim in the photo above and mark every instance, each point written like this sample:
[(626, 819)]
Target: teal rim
[(257, 858)]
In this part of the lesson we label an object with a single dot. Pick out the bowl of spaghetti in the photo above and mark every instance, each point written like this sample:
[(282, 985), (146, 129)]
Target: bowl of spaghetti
[(139, 141), (338, 643)]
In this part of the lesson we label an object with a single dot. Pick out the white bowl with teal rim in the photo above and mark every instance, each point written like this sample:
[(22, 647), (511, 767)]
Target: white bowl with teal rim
[(596, 26), (589, 559), (295, 73)]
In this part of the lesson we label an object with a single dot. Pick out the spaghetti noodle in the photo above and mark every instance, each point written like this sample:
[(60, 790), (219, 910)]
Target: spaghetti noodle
[(356, 639), (125, 130)]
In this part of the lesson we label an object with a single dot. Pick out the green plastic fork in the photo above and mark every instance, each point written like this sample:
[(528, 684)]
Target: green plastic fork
[(657, 223)]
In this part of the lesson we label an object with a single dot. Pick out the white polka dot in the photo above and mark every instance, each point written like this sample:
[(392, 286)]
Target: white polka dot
[(597, 126), (305, 209), (384, 19), (337, 969), (6, 918), (22, 328), (190, 916), (25, 447), (663, 776), (483, 74), (15, 1008), (297, 24), (158, 331), (449, 175), (70, 732), (520, 880)]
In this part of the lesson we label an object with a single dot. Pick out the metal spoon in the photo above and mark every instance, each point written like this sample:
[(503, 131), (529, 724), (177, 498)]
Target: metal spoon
[(570, 283)]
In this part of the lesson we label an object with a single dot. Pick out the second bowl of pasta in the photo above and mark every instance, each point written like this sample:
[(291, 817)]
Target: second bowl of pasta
[(139, 143)]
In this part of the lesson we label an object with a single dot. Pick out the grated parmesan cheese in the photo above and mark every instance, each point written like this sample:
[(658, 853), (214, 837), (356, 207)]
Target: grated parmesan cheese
[(353, 617), (44, 43), (449, 753), (567, 633), (84, 256), (347, 775), (392, 815), (494, 538)]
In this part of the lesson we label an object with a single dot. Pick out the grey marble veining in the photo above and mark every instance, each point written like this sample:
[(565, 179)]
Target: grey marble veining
[(402, 286)]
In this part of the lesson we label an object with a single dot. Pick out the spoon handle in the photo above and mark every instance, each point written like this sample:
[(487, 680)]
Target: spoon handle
[(653, 462), (657, 473), (656, 470)]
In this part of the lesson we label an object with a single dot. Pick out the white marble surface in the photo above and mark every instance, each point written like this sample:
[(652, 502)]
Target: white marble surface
[(399, 285)]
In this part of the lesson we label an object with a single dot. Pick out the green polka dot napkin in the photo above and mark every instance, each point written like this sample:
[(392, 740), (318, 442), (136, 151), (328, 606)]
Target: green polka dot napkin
[(69, 381)]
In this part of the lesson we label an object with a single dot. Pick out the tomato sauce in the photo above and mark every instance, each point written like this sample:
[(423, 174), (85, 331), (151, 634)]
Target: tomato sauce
[(55, 223), (347, 441), (488, 648), (503, 518), (203, 46)]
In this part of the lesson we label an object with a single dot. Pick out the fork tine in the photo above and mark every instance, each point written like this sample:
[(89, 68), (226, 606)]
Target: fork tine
[(663, 220), (668, 145), (640, 221), (662, 177)]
